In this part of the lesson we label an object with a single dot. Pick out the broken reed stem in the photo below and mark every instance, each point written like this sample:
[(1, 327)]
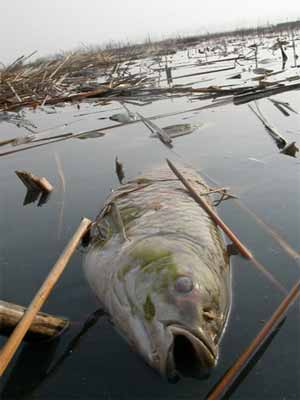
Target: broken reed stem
[(33, 182), (271, 130), (163, 136), (14, 92), (60, 66), (234, 371), (242, 249), (8, 350)]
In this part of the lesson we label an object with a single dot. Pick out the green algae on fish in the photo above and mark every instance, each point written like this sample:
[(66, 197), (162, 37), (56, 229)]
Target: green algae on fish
[(149, 309), (170, 276)]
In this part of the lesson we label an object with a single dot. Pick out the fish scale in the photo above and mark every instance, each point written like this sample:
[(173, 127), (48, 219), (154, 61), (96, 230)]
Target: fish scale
[(170, 278)]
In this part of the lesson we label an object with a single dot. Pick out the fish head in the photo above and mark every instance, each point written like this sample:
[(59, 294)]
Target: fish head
[(178, 305)]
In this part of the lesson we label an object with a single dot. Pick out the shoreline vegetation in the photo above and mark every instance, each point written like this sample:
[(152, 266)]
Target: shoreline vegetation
[(94, 72)]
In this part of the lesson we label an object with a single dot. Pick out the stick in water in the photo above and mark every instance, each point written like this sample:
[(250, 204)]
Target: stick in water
[(242, 249), (12, 344), (233, 372)]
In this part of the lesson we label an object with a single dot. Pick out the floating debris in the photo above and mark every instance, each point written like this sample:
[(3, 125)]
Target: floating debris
[(37, 188), (174, 131), (121, 117), (90, 135), (279, 139), (18, 120), (282, 105), (43, 327), (266, 61), (290, 150), (161, 133), (119, 170), (34, 183)]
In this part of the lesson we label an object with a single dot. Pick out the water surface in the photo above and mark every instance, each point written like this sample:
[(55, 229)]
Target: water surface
[(232, 148)]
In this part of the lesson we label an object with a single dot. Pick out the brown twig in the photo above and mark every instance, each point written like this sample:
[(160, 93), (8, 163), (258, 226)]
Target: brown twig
[(242, 249), (14, 92), (230, 376), (280, 140), (12, 344)]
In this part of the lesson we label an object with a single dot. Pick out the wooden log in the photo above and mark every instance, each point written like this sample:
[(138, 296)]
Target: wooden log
[(7, 141), (43, 327), (8, 350), (33, 182)]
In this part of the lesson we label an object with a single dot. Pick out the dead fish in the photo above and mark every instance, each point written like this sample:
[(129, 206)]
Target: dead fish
[(91, 135), (266, 61), (179, 130), (162, 273), (174, 131), (121, 117), (262, 71)]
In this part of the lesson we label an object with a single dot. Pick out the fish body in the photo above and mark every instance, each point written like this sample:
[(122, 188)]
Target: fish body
[(164, 276), (177, 130), (121, 117)]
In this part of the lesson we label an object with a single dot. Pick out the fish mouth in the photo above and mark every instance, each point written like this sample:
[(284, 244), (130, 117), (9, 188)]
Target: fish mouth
[(190, 354)]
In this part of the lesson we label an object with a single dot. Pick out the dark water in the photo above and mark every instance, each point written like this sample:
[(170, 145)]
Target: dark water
[(233, 148)]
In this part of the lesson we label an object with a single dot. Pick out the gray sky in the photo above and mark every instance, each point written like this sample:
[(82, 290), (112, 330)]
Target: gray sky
[(52, 25)]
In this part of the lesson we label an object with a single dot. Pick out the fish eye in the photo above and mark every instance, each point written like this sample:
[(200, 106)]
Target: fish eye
[(184, 284)]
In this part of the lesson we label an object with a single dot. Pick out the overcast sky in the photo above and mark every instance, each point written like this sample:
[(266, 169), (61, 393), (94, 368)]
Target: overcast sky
[(52, 25)]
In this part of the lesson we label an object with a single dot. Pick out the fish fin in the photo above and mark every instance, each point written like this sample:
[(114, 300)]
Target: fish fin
[(117, 219)]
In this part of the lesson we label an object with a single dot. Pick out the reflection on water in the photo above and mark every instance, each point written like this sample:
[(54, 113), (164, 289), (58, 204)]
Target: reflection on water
[(33, 196), (250, 365)]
